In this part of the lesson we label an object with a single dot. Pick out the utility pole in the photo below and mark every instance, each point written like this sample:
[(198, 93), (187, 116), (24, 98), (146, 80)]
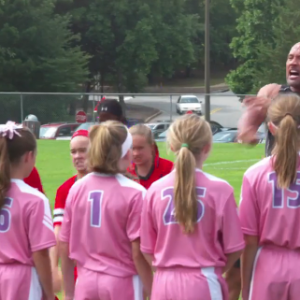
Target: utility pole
[(207, 61)]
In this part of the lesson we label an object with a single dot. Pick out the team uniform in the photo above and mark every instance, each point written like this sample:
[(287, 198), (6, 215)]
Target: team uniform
[(25, 227), (190, 265), (109, 209), (273, 215), (60, 203), (160, 168)]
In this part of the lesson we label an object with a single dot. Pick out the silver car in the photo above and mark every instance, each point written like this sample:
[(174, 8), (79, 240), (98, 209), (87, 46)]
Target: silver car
[(187, 103), (158, 127)]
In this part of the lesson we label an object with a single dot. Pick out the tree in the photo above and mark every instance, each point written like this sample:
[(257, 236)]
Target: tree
[(223, 29), (176, 31), (129, 39), (273, 55), (38, 56), (118, 36), (255, 28)]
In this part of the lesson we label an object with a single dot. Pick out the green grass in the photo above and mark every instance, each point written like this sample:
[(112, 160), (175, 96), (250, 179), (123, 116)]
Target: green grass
[(227, 161)]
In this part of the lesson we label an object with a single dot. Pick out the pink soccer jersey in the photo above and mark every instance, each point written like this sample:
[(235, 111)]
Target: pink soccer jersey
[(102, 218), (25, 224), (217, 231), (268, 212)]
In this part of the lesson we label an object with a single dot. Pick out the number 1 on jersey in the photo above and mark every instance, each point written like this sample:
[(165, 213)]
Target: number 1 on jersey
[(95, 197)]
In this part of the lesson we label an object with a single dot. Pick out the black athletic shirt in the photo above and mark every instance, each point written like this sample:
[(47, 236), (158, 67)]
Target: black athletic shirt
[(285, 89)]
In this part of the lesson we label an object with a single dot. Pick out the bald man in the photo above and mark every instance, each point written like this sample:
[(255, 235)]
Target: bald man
[(257, 107), (254, 116)]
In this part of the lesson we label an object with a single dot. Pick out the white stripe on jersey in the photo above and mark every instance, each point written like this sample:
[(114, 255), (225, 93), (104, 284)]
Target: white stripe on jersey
[(48, 224), (25, 188)]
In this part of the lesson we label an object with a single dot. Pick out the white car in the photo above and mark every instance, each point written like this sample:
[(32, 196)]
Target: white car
[(187, 103)]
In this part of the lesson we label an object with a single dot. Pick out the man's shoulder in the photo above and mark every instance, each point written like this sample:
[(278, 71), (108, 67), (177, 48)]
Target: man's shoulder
[(269, 90)]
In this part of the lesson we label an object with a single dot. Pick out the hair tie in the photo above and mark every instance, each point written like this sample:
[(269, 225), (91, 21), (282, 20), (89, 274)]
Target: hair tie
[(288, 114), (184, 145)]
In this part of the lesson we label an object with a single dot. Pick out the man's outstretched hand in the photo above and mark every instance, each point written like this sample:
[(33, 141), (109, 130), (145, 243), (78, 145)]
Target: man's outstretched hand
[(253, 117)]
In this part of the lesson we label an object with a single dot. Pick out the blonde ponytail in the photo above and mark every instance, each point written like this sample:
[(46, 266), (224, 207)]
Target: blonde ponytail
[(106, 147), (187, 137), (185, 198)]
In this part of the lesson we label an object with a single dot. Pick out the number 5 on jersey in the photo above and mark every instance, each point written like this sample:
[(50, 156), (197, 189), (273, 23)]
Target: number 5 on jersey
[(169, 214), (95, 197), (5, 215)]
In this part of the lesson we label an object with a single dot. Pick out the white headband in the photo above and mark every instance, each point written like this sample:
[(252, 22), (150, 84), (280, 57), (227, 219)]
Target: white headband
[(127, 143)]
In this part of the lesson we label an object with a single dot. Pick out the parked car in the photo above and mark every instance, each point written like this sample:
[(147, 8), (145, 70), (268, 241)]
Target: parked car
[(215, 127), (224, 129), (86, 126), (158, 127), (187, 103), (230, 136), (57, 131), (161, 137)]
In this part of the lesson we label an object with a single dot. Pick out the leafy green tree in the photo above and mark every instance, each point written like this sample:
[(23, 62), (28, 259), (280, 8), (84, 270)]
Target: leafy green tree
[(128, 40), (273, 55), (254, 28), (38, 56), (176, 32)]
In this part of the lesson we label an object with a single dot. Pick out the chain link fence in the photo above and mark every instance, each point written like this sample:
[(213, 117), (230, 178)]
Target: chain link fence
[(62, 108)]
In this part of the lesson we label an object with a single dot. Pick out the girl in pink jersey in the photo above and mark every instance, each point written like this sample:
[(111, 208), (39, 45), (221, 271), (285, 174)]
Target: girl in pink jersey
[(101, 225), (26, 228), (190, 230), (270, 211)]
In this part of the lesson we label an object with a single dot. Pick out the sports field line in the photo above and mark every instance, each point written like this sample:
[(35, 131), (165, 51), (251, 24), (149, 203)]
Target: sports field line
[(230, 162)]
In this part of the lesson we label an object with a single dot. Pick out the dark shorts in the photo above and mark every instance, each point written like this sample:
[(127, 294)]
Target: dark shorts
[(237, 264)]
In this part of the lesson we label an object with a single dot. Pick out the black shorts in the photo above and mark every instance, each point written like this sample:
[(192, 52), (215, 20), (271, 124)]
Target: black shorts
[(237, 264)]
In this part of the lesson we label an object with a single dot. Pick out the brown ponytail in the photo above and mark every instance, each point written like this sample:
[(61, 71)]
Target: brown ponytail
[(4, 170), (284, 113), (11, 151), (187, 137)]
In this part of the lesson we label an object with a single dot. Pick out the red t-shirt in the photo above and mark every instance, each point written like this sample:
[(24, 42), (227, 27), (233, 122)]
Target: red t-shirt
[(60, 203), (34, 180), (161, 167)]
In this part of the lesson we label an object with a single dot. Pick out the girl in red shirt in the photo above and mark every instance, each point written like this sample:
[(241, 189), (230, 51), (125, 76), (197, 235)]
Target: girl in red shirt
[(78, 148), (34, 180), (147, 166)]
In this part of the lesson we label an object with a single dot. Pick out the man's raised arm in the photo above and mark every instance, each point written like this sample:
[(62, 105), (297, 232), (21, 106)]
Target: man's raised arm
[(256, 112)]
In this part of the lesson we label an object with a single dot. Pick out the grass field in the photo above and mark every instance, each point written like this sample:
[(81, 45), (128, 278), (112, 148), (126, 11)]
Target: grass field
[(227, 161)]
